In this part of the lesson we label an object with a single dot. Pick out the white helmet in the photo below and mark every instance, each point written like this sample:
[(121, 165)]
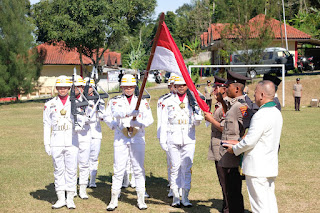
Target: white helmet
[(179, 80), (128, 80), (63, 81), (172, 78), (78, 81), (86, 79)]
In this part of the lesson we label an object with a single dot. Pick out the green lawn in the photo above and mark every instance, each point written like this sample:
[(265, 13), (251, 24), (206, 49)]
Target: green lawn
[(27, 172)]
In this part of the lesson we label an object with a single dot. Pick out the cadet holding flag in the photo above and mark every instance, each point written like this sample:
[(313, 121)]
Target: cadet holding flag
[(120, 119), (61, 141), (178, 123)]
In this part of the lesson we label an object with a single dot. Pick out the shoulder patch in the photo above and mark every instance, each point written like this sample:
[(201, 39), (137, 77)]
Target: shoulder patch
[(244, 111)]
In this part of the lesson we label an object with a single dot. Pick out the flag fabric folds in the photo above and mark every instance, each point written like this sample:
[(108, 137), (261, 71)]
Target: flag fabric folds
[(167, 57)]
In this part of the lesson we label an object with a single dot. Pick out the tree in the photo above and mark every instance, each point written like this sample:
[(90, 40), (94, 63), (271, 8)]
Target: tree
[(90, 26), (238, 33), (19, 64)]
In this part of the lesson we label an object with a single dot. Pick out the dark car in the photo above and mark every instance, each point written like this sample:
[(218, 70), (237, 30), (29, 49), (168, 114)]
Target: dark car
[(272, 55)]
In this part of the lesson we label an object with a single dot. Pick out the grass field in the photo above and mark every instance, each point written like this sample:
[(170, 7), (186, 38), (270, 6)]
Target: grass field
[(27, 173)]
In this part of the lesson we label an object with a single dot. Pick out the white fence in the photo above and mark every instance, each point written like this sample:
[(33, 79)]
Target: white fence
[(245, 66)]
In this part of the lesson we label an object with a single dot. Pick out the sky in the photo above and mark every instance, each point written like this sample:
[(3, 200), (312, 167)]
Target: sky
[(163, 5)]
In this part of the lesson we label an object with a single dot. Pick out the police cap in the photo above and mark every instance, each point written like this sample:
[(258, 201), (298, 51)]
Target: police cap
[(218, 81), (236, 78), (272, 78)]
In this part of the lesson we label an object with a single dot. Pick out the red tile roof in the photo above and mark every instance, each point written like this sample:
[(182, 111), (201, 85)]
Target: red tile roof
[(214, 31), (54, 54)]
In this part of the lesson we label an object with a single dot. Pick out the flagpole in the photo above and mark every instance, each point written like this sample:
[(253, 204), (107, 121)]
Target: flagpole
[(154, 45)]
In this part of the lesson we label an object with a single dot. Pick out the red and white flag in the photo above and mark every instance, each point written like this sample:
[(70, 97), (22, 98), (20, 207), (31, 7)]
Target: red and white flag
[(167, 57)]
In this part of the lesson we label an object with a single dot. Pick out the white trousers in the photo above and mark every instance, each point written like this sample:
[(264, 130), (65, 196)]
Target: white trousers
[(168, 166), (261, 194), (65, 167), (83, 161), (121, 154), (181, 157), (94, 153)]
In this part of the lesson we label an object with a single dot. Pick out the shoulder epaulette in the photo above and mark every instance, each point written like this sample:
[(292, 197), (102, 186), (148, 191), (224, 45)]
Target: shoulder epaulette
[(116, 97), (242, 101), (169, 95), (164, 95), (48, 100)]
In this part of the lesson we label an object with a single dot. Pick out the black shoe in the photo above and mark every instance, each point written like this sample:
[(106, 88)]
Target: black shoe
[(176, 206), (111, 209)]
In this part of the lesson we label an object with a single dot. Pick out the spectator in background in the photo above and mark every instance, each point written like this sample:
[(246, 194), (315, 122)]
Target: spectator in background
[(208, 93), (297, 93)]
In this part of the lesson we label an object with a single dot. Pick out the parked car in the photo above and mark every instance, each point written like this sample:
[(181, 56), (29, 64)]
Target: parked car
[(272, 55)]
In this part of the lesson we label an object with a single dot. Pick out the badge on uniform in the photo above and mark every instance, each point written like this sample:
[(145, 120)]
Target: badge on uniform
[(147, 105), (244, 111), (63, 112), (45, 107), (182, 105)]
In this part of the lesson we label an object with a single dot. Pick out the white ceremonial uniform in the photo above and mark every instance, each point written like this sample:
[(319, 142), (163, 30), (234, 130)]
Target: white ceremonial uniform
[(95, 136), (124, 146), (178, 131), (60, 135), (159, 116), (260, 160), (84, 139)]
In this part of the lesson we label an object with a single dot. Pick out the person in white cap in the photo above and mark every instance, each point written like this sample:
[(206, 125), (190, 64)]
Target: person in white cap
[(95, 134), (61, 142), (129, 139), (84, 143), (159, 111), (178, 122)]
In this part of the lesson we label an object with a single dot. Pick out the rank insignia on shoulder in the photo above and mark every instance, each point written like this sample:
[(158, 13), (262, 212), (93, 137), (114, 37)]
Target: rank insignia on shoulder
[(45, 107), (241, 101), (244, 111)]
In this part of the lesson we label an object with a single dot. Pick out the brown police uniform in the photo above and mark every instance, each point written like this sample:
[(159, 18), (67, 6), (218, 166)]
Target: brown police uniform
[(207, 94), (214, 153), (236, 121), (297, 91)]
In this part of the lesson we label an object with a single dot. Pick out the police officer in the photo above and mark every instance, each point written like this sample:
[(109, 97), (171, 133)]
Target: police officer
[(297, 93), (208, 93), (237, 119), (276, 82), (60, 141), (126, 141), (177, 132), (159, 112), (217, 124)]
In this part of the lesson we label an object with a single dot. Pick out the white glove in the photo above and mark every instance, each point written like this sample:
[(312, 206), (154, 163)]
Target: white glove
[(78, 128), (164, 146), (135, 123), (198, 117), (48, 149), (134, 113)]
